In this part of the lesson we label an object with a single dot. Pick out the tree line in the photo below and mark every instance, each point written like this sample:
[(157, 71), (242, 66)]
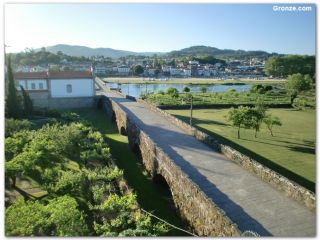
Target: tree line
[(283, 66), (42, 57)]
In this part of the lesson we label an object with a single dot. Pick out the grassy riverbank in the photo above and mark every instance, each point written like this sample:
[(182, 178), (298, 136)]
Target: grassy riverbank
[(191, 81), (151, 196), (291, 151)]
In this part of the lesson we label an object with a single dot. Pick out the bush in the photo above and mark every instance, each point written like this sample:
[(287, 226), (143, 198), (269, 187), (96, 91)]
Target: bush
[(203, 89), (70, 117), (13, 125), (186, 89), (173, 92)]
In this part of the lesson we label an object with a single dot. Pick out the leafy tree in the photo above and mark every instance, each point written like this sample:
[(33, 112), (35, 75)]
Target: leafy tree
[(32, 218), (173, 92), (240, 117), (12, 101), (138, 69), (203, 89), (271, 121), (297, 83), (64, 223), (26, 219), (27, 103), (186, 89), (257, 115), (261, 89), (282, 66), (12, 169)]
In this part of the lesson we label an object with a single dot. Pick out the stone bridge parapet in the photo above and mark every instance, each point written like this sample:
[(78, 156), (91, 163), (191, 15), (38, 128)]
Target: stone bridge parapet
[(203, 215)]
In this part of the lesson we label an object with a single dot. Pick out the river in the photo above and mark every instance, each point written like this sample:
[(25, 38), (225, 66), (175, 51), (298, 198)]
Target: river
[(136, 89)]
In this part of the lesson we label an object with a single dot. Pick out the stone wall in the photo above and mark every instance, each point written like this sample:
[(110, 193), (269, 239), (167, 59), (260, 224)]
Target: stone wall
[(41, 101), (74, 102), (292, 189), (219, 106), (39, 98), (206, 218)]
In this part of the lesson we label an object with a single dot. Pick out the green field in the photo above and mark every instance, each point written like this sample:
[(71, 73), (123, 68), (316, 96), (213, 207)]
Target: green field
[(290, 152), (151, 196)]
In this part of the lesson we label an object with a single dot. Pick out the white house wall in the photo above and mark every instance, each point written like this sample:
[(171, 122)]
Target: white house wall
[(37, 82), (80, 87)]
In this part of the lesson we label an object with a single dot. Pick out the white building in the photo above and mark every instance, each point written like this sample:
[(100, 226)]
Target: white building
[(193, 62), (44, 88), (123, 69), (187, 72), (100, 70), (71, 84)]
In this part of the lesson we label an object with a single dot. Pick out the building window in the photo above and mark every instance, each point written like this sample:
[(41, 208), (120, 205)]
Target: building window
[(33, 86), (40, 85), (69, 88)]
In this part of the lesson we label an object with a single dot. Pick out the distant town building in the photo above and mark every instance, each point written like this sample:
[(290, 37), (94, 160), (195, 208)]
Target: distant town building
[(123, 69)]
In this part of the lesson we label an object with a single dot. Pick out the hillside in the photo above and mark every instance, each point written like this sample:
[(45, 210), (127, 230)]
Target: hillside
[(88, 52), (219, 53), (191, 51)]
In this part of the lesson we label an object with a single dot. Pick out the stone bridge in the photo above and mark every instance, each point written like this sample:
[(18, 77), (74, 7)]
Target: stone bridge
[(216, 196)]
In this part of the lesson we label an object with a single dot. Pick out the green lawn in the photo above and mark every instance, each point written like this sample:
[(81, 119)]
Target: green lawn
[(151, 196), (290, 152)]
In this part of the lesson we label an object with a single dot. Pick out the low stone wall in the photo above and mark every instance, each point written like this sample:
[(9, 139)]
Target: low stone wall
[(292, 189), (203, 215), (65, 103), (218, 106)]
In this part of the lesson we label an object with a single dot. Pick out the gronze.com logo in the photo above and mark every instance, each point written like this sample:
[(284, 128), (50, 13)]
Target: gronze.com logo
[(291, 8)]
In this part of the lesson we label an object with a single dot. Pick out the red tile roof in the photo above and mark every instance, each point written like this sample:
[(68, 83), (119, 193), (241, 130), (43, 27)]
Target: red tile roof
[(70, 74), (53, 75), (30, 75)]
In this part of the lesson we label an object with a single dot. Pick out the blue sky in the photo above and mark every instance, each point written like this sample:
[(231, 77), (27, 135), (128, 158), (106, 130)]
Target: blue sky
[(160, 27)]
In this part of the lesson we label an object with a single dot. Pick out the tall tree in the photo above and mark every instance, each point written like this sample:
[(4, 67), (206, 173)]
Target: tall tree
[(12, 101), (27, 103), (271, 121), (297, 83), (137, 70), (240, 117)]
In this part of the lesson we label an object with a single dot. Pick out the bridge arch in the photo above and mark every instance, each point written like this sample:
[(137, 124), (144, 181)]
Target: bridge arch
[(136, 149), (100, 103), (163, 186), (113, 116), (123, 131)]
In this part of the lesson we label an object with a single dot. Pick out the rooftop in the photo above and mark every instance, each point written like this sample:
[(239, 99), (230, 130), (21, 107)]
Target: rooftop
[(53, 75)]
